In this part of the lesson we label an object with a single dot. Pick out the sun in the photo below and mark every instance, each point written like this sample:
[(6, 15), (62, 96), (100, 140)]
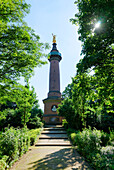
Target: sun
[(97, 25)]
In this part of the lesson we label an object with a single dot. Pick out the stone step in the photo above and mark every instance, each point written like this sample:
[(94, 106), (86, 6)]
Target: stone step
[(51, 129), (47, 137), (53, 142), (59, 144), (54, 132), (53, 126), (53, 136)]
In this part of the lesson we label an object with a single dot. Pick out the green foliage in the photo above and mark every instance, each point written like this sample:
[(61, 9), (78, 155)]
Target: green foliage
[(91, 96), (73, 136), (21, 108), (36, 111), (97, 42), (13, 11), (65, 123), (104, 138), (24, 102), (82, 93), (13, 143), (35, 120), (88, 100), (33, 133), (67, 93), (34, 123), (112, 135), (3, 162), (89, 143), (9, 144), (66, 110), (104, 159), (20, 52), (88, 105)]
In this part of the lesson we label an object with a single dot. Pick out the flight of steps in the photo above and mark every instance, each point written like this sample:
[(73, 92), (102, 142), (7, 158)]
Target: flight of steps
[(53, 135)]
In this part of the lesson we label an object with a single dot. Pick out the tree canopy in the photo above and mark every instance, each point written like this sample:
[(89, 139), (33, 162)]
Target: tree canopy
[(97, 42), (91, 96), (20, 52), (20, 48)]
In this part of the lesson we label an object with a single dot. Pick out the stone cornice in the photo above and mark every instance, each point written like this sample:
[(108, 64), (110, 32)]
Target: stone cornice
[(52, 100)]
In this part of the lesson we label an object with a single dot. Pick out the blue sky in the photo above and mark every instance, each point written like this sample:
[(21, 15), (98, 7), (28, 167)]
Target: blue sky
[(52, 16)]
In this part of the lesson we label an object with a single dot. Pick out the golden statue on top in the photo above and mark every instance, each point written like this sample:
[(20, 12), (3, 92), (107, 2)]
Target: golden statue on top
[(54, 38)]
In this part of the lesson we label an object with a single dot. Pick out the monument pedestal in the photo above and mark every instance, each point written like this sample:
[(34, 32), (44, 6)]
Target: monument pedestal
[(50, 111)]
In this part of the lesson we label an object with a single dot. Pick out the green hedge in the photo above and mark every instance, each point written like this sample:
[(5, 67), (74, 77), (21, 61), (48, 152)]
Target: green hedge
[(33, 135), (93, 145), (14, 143)]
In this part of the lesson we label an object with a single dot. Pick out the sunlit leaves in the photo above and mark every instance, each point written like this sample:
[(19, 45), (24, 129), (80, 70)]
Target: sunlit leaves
[(13, 10), (96, 41), (20, 47), (20, 52)]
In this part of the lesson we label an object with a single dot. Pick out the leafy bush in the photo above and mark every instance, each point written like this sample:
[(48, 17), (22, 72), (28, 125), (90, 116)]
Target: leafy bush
[(65, 123), (70, 130), (26, 139), (9, 144), (104, 138), (3, 162), (33, 135), (67, 110), (13, 143), (34, 123), (89, 143), (104, 159), (73, 136)]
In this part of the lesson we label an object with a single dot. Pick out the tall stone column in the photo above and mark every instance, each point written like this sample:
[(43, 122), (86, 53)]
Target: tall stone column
[(54, 75), (54, 96)]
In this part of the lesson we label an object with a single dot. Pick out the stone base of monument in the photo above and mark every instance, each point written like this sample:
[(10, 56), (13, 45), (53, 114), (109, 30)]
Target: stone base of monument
[(50, 111), (52, 119)]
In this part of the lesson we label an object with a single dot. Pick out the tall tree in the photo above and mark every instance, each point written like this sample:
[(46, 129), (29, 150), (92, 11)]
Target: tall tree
[(20, 48), (21, 105), (96, 29)]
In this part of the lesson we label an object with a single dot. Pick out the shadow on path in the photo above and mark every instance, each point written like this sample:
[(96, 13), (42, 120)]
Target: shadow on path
[(65, 158)]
